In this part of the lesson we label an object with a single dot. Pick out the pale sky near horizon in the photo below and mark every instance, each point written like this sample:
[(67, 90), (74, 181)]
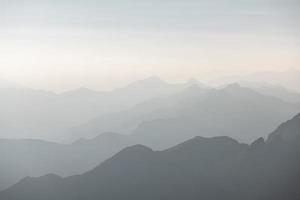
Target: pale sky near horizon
[(63, 44)]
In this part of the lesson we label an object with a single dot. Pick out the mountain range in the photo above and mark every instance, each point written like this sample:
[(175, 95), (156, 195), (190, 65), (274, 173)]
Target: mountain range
[(29, 157), (273, 91), (28, 113), (200, 168), (160, 123), (65, 117), (289, 79)]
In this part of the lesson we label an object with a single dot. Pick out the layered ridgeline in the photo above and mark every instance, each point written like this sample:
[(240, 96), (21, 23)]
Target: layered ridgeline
[(289, 79), (28, 113), (159, 123), (234, 111), (200, 168), (273, 90), (27, 157)]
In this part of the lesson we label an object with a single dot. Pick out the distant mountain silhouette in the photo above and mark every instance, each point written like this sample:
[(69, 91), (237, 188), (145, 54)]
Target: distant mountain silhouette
[(273, 90), (24, 157), (289, 131), (234, 111), (200, 168), (28, 113), (159, 123), (289, 79), (125, 122), (82, 92)]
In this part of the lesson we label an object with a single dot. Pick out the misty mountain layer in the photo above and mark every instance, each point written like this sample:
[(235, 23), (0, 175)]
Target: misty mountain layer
[(159, 123), (27, 113), (234, 111), (27, 157), (200, 168)]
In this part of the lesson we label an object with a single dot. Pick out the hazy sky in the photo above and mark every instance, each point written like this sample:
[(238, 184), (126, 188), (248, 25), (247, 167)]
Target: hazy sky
[(64, 44)]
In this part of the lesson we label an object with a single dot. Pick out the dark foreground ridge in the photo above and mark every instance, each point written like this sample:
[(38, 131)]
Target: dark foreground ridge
[(200, 168)]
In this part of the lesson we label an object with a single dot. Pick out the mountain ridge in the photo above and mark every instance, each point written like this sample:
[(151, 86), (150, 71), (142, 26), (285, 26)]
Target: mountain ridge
[(190, 170)]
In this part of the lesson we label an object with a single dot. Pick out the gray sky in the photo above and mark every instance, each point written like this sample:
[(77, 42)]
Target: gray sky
[(64, 44)]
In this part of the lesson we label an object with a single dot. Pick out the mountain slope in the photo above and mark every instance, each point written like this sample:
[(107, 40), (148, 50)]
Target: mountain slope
[(135, 173), (201, 168), (163, 122), (27, 113), (288, 131), (289, 79), (21, 158), (233, 111), (273, 90), (126, 121)]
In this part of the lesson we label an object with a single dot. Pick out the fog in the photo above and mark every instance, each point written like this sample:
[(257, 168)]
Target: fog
[(149, 99), (63, 45)]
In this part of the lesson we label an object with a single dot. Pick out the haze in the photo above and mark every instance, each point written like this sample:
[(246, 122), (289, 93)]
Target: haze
[(61, 45)]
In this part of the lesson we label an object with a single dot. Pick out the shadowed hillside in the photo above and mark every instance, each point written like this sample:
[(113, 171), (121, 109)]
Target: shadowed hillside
[(200, 168)]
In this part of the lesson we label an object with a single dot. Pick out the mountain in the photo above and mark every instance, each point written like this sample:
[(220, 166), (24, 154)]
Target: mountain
[(28, 157), (273, 90), (28, 113), (289, 79), (233, 111), (288, 131), (136, 172), (159, 123), (125, 122), (200, 168), (162, 122)]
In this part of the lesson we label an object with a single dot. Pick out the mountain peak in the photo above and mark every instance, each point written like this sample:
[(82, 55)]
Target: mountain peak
[(198, 142), (287, 131), (106, 136), (257, 143), (193, 81), (237, 89), (46, 178), (129, 156), (138, 148)]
